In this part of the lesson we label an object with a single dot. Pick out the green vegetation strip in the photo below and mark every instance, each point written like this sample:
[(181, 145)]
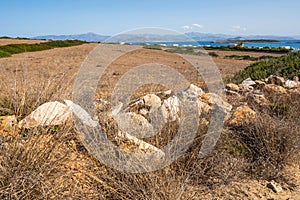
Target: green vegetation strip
[(250, 49), (287, 66), (247, 57), (8, 50)]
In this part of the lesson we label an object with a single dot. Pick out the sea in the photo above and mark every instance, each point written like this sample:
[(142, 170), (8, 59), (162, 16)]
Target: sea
[(289, 44)]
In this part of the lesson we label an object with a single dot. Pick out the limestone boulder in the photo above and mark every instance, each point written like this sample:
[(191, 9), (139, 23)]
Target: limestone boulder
[(48, 114)]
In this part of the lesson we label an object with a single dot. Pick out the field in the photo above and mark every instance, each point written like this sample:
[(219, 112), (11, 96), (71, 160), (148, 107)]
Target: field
[(19, 41), (52, 163)]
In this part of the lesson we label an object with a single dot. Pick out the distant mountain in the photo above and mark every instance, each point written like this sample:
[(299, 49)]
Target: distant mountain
[(268, 37), (213, 37), (208, 36), (89, 37), (144, 38)]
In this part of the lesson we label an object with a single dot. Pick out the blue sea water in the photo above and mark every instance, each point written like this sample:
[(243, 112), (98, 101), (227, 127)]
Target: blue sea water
[(294, 44)]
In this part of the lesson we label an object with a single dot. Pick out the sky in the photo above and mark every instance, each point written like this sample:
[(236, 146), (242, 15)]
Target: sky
[(28, 18)]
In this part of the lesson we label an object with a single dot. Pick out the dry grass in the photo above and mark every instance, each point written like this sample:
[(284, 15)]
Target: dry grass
[(52, 163), (273, 140), (4, 41)]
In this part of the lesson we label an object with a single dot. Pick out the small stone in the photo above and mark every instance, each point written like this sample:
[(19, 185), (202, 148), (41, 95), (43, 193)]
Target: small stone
[(144, 112), (203, 108), (171, 109), (276, 80), (134, 124), (275, 187), (152, 100), (248, 81), (244, 88), (232, 87), (134, 144), (211, 99), (291, 84), (195, 90), (232, 93)]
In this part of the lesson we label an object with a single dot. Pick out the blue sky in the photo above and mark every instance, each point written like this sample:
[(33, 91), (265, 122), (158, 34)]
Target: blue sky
[(26, 18)]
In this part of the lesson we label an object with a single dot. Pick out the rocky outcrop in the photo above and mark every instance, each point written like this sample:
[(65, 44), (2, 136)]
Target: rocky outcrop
[(147, 115)]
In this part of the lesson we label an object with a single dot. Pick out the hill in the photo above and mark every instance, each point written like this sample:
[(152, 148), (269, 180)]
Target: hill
[(88, 37)]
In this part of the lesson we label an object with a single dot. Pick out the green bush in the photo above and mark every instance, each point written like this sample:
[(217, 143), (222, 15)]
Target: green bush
[(213, 54), (253, 49), (286, 66), (154, 46), (186, 50), (64, 43)]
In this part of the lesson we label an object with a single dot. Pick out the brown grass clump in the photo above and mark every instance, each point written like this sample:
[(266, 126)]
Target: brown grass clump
[(271, 141)]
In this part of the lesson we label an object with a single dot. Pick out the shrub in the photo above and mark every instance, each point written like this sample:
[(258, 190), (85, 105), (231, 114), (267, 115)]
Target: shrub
[(154, 46), (213, 54), (286, 66)]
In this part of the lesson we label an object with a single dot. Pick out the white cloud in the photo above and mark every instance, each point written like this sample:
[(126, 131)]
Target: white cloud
[(187, 27), (197, 25), (237, 28), (192, 26)]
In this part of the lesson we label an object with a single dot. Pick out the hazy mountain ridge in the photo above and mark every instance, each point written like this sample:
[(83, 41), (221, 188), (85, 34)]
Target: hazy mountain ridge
[(89, 37), (93, 37)]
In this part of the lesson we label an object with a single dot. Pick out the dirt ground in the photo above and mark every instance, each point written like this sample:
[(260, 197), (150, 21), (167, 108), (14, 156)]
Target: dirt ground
[(68, 60)]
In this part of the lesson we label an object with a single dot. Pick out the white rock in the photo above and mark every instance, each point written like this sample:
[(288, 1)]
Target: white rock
[(134, 124), (194, 91), (48, 114), (291, 84), (275, 187), (142, 145), (171, 108), (152, 100), (203, 108), (214, 99), (248, 81), (81, 114), (144, 111)]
